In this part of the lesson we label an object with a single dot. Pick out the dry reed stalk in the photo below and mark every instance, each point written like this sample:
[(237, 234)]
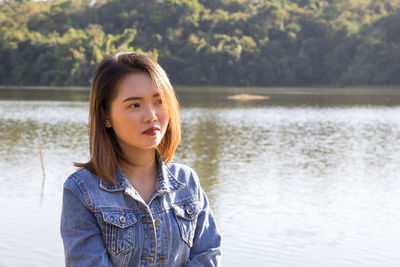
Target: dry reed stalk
[(43, 170)]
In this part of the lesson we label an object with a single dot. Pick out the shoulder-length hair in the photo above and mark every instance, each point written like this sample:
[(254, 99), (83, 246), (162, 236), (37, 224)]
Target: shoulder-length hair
[(105, 152)]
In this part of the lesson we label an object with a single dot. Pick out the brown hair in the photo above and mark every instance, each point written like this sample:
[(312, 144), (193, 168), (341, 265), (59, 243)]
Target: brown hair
[(105, 152)]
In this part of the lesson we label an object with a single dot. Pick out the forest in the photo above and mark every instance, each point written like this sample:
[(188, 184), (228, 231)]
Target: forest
[(205, 42)]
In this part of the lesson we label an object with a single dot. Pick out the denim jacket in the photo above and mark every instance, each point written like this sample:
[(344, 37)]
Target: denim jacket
[(106, 224)]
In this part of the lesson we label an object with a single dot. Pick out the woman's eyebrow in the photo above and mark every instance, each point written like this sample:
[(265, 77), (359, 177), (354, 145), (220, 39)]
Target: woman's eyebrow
[(138, 97)]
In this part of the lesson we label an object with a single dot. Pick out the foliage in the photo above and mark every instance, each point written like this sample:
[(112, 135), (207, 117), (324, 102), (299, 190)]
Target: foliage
[(205, 42)]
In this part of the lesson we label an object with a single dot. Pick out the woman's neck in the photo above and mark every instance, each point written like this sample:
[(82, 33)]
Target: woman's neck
[(142, 164), (141, 171)]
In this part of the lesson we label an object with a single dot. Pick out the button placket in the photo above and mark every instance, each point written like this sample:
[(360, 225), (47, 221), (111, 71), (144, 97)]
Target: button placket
[(150, 237)]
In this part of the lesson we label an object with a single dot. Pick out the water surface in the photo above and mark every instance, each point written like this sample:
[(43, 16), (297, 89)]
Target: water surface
[(290, 184)]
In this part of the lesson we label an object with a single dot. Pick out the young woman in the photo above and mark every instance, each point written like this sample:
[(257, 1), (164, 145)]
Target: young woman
[(129, 205)]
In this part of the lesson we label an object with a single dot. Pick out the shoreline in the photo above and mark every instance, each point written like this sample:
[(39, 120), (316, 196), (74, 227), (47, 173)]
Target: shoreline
[(334, 91)]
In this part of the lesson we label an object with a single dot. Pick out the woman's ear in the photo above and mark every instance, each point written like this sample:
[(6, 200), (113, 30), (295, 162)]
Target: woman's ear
[(107, 122)]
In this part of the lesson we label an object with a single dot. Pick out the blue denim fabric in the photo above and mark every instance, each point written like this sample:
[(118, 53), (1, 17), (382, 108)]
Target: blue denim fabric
[(110, 225)]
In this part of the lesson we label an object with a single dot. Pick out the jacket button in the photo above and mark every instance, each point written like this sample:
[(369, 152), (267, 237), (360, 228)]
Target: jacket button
[(157, 222), (189, 210), (161, 259), (122, 219)]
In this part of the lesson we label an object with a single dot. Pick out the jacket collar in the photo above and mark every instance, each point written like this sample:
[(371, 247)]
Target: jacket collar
[(166, 181)]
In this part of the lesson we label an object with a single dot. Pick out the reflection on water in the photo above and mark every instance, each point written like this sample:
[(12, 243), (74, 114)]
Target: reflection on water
[(290, 186), (200, 146)]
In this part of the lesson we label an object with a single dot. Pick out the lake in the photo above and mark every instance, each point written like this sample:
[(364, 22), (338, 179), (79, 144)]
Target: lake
[(307, 177)]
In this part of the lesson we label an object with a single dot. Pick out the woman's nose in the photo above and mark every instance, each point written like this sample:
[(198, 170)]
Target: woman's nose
[(150, 114)]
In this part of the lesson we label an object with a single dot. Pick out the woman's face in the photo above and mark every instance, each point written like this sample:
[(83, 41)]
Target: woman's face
[(136, 114)]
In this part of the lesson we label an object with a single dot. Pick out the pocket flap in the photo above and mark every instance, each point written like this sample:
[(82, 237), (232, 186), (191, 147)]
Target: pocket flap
[(119, 218), (187, 211)]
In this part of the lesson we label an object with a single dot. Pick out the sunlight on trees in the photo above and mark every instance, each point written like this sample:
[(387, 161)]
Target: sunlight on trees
[(205, 42)]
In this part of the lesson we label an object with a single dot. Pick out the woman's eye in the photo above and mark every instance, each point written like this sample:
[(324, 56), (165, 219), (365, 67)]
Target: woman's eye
[(159, 101), (135, 105)]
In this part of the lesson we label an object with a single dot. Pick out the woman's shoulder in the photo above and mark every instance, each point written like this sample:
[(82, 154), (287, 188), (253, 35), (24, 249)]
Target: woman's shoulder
[(173, 165), (184, 174), (84, 185), (81, 178)]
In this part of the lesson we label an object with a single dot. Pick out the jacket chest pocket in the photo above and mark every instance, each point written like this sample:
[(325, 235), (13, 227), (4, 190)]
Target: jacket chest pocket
[(186, 216), (118, 231)]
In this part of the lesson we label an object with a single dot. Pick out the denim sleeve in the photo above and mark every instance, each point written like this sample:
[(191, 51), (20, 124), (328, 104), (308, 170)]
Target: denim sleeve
[(83, 244), (206, 249)]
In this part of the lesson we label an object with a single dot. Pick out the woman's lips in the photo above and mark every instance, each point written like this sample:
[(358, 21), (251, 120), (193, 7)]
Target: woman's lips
[(151, 131)]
